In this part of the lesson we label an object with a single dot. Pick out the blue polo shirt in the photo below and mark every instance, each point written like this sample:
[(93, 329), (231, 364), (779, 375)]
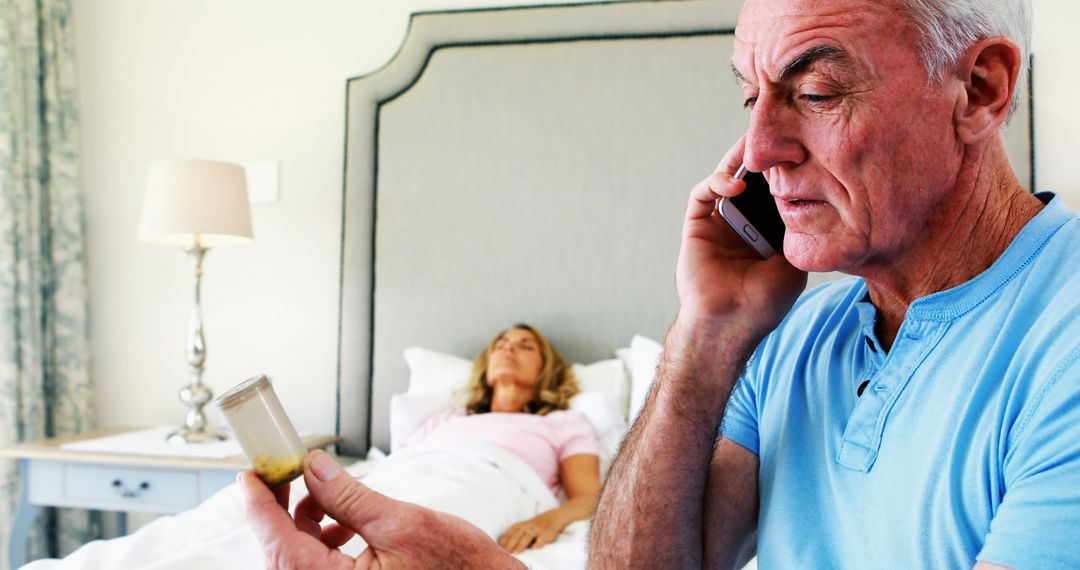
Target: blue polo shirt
[(965, 442)]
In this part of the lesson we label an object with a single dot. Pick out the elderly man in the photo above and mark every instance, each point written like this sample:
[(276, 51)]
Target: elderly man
[(924, 414)]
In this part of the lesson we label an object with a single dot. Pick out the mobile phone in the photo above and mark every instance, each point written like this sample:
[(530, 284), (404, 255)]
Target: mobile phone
[(754, 216)]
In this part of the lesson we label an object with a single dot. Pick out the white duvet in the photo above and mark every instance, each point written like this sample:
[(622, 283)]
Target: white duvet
[(481, 483)]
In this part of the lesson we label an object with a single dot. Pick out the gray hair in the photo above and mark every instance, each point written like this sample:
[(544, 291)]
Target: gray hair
[(949, 27)]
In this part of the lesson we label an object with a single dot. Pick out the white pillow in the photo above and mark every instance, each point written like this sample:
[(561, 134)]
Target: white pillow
[(645, 355), (435, 373), (409, 412), (626, 355), (606, 377)]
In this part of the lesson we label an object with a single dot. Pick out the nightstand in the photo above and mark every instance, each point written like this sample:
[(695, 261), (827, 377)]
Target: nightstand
[(126, 483)]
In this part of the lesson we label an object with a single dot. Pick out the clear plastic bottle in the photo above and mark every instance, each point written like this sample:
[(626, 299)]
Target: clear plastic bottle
[(266, 435)]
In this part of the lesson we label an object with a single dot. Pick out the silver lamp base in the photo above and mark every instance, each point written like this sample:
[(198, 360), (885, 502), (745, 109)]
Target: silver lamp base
[(185, 435), (196, 394)]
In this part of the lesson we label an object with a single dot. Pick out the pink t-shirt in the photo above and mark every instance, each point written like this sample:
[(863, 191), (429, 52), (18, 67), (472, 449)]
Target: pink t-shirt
[(543, 442)]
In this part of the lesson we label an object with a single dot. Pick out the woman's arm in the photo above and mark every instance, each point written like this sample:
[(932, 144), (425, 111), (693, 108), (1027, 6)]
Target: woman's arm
[(580, 476)]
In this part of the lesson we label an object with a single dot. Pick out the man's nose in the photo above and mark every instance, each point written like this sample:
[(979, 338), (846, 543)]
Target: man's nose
[(773, 137)]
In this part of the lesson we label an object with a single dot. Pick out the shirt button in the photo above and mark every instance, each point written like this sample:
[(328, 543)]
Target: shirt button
[(881, 388)]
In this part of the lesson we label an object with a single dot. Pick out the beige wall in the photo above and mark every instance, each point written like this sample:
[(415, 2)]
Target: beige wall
[(1056, 46), (265, 80), (237, 80)]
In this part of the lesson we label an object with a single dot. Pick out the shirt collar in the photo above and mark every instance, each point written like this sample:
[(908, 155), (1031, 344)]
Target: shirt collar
[(953, 303)]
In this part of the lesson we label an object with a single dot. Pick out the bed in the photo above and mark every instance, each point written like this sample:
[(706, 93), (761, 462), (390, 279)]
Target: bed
[(526, 164)]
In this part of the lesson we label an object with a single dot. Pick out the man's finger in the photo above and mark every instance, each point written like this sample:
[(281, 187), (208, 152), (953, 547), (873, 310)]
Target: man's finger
[(308, 514), (268, 520), (334, 535), (281, 493), (704, 194), (308, 525), (342, 497), (367, 559)]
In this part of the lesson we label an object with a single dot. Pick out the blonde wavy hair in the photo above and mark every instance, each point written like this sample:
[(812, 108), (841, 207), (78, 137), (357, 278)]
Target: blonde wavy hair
[(553, 392)]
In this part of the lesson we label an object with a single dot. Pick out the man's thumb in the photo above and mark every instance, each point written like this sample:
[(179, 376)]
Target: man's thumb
[(340, 495)]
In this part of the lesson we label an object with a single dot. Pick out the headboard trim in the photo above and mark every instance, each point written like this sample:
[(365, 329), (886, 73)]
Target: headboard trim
[(544, 40)]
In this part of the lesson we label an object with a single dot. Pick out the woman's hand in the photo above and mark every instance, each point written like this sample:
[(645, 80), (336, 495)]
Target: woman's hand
[(580, 477), (535, 532)]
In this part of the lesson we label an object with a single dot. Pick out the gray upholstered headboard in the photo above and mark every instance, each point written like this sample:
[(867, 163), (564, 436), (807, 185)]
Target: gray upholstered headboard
[(526, 164)]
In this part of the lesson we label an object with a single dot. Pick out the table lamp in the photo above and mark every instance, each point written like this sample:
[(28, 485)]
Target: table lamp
[(195, 204)]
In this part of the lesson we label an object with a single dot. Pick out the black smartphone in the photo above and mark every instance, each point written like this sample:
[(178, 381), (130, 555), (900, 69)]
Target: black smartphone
[(754, 216)]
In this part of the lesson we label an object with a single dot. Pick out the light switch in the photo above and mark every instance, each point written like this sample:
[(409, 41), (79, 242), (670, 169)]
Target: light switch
[(262, 182)]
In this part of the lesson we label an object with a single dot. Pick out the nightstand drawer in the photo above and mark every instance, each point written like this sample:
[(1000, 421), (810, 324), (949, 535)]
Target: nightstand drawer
[(128, 487), (112, 487)]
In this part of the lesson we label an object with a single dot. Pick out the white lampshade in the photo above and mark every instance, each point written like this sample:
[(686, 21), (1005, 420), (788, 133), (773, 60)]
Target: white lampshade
[(189, 198)]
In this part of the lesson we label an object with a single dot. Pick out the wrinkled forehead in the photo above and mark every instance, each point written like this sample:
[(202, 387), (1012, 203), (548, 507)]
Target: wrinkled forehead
[(769, 30)]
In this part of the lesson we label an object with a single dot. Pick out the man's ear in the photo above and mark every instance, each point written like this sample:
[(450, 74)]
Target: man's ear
[(988, 73)]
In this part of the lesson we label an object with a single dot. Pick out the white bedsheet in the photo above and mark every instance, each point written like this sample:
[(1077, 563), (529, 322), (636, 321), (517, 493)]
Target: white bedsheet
[(481, 483)]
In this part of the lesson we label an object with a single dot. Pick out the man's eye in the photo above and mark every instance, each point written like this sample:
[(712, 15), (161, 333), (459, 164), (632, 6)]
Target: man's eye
[(749, 102), (815, 98)]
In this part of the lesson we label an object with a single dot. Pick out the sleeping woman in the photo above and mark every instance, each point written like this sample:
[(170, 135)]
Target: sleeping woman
[(517, 399), (468, 483)]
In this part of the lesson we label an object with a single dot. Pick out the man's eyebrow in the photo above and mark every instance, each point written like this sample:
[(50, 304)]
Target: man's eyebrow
[(812, 56), (802, 62), (739, 78)]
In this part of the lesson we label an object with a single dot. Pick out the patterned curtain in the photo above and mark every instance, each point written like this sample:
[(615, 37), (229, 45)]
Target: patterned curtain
[(44, 342)]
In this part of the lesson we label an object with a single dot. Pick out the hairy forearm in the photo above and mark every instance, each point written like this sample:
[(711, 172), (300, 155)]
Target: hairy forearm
[(656, 486)]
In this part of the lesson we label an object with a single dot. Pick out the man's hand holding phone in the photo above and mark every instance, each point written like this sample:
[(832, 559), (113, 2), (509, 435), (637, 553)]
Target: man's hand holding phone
[(725, 285), (753, 214)]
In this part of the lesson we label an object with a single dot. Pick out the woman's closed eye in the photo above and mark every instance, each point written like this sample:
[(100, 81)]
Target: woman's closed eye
[(506, 344)]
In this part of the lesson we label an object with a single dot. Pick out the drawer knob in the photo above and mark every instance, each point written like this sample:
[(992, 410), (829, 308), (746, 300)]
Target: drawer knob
[(130, 493)]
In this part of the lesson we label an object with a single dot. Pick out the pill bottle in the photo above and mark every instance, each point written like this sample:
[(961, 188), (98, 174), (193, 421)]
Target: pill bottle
[(266, 435)]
